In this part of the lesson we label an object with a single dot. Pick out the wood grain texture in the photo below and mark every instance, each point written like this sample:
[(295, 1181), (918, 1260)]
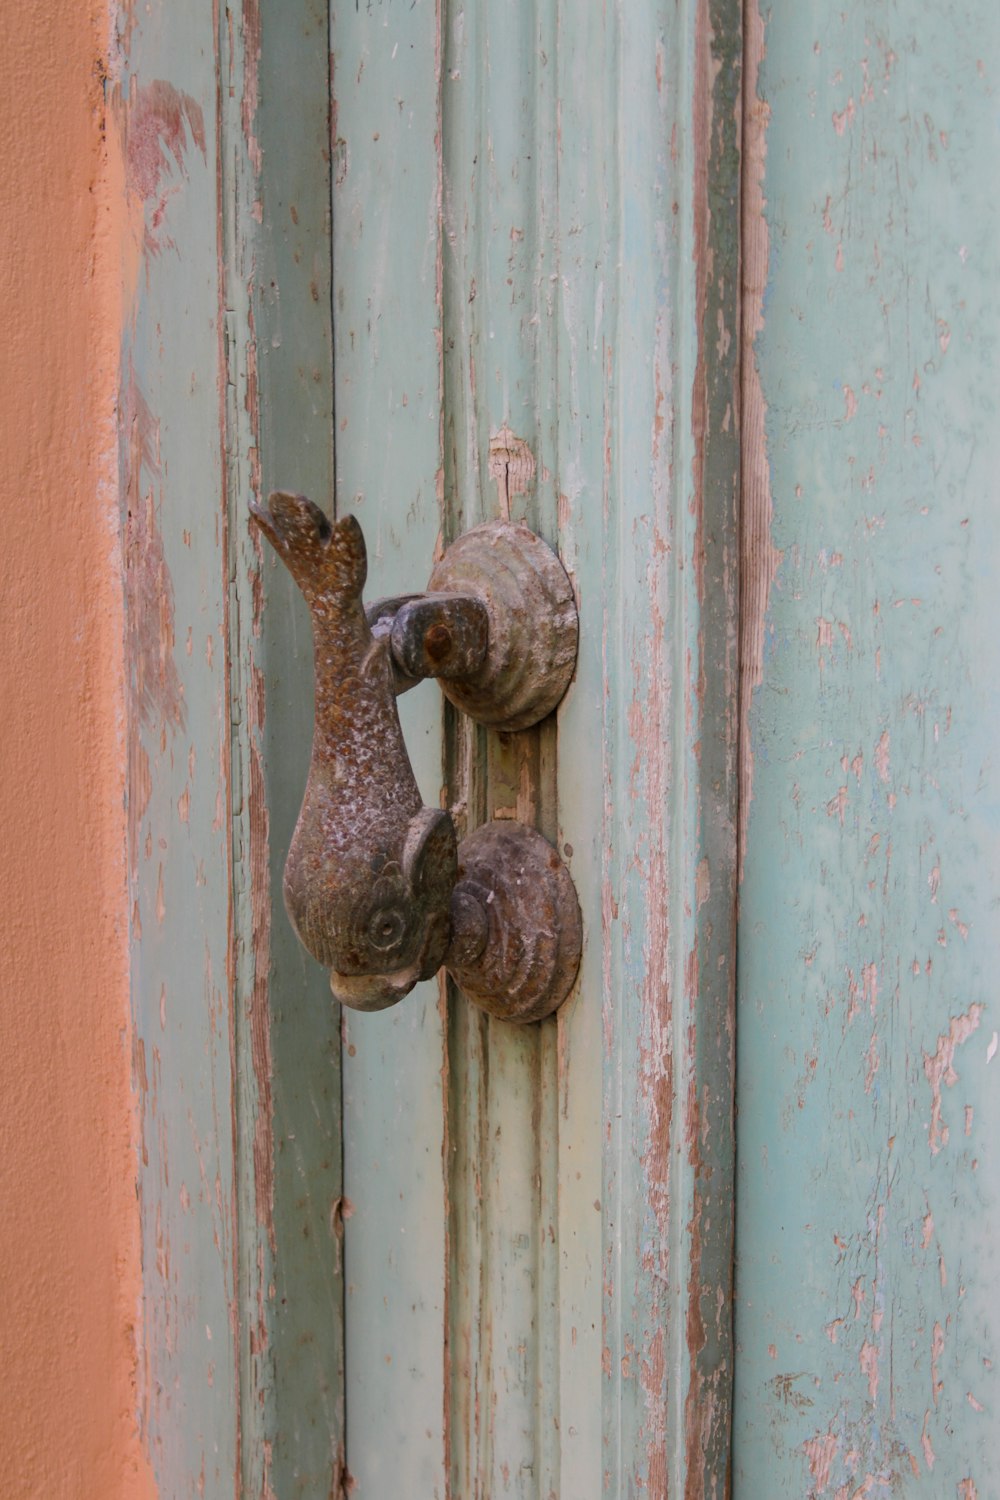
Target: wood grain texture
[(237, 1060), (279, 412), (570, 248), (180, 849), (498, 105), (869, 1177), (388, 472), (670, 395), (536, 1223)]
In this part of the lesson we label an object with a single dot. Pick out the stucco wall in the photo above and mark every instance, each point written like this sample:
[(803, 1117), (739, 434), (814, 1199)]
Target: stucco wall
[(70, 1335)]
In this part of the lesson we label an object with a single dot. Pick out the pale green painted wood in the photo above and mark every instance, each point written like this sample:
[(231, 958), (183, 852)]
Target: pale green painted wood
[(276, 195), (499, 107), (537, 1225), (869, 1172), (180, 865), (588, 302), (581, 417), (229, 387), (668, 336), (387, 401)]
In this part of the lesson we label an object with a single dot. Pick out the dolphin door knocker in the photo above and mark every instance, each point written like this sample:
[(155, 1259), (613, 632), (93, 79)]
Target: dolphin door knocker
[(375, 885)]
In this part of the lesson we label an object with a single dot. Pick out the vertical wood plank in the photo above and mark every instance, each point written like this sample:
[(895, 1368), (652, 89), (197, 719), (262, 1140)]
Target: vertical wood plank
[(499, 204), (388, 415), (869, 1174), (276, 195), (668, 339), (180, 869), (229, 375), (584, 292), (545, 117), (588, 387)]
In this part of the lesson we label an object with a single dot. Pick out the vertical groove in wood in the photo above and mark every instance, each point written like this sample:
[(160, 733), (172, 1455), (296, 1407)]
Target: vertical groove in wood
[(276, 231), (586, 218), (468, 1074), (669, 345), (758, 559), (498, 109), (387, 330)]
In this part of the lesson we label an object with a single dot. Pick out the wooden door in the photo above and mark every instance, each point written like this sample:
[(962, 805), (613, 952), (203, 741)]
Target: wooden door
[(435, 263), (869, 1177), (537, 1258)]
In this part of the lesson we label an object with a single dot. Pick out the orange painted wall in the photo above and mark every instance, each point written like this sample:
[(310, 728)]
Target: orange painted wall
[(69, 1261)]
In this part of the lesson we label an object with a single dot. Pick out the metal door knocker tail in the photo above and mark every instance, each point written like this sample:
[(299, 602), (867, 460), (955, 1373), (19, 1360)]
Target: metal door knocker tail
[(375, 884)]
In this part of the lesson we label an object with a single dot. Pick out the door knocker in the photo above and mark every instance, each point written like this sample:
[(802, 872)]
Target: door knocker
[(376, 886)]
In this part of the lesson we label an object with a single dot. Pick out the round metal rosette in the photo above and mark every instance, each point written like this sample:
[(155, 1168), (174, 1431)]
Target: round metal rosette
[(533, 629), (533, 932)]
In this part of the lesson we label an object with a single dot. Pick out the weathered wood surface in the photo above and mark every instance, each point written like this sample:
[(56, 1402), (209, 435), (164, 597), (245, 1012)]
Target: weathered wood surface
[(534, 293), (869, 1166), (535, 282), (180, 868), (227, 388), (276, 199), (538, 1222), (388, 446)]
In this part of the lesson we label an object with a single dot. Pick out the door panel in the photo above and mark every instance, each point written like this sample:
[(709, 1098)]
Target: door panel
[(535, 316), (388, 465), (869, 1180), (227, 377), (276, 181)]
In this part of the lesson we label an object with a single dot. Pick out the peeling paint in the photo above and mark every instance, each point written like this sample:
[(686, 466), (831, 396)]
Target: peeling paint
[(939, 1070), (157, 694), (821, 1451), (759, 559), (511, 466), (866, 911), (161, 122)]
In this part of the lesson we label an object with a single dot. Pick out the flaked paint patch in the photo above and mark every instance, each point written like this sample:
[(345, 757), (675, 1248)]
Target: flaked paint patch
[(699, 1404), (138, 791), (868, 1365), (871, 1061), (257, 814), (656, 1061), (511, 466), (259, 1016), (759, 559), (653, 1379), (937, 1349), (927, 1232), (161, 122), (251, 37), (156, 695), (939, 1069), (820, 1452), (156, 689), (345, 1483), (882, 756), (925, 1442)]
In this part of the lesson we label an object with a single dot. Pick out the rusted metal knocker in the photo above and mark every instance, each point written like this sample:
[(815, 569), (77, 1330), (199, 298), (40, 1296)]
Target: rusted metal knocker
[(375, 884)]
